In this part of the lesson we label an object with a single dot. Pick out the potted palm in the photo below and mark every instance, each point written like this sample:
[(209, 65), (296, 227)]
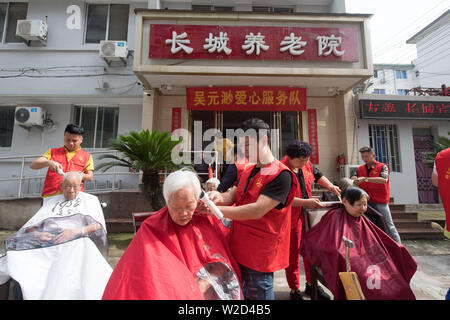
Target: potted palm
[(440, 144), (147, 152)]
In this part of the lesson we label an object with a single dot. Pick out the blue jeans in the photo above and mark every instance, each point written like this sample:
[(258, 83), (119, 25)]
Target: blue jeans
[(386, 212), (257, 285)]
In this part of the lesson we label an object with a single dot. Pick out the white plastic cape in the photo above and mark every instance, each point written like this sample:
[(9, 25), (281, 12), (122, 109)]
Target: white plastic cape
[(75, 269)]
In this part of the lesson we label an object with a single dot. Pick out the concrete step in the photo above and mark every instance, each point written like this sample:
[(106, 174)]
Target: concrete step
[(411, 223), (404, 215), (397, 207), (420, 233), (116, 225)]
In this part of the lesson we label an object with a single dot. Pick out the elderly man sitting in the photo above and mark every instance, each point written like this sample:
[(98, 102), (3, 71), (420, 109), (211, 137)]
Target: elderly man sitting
[(57, 253), (177, 253)]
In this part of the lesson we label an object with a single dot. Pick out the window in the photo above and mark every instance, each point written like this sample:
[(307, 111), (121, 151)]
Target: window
[(400, 74), (272, 9), (9, 14), (107, 22), (384, 140), (375, 73), (210, 8), (403, 92), (99, 123), (379, 91), (6, 126)]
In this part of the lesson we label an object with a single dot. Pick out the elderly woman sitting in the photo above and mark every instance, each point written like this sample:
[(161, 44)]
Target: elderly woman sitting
[(63, 242), (177, 253), (384, 267)]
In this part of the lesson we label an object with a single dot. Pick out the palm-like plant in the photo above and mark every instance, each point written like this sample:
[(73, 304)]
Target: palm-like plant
[(146, 152), (440, 144)]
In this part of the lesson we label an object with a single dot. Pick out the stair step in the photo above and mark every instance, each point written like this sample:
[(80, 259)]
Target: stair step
[(115, 225), (419, 233), (407, 223), (401, 207), (404, 215)]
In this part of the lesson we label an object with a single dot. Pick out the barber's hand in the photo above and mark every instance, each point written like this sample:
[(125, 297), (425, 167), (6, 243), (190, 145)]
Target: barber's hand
[(54, 166), (202, 209), (312, 203), (335, 190), (359, 180), (215, 197), (43, 236), (66, 235)]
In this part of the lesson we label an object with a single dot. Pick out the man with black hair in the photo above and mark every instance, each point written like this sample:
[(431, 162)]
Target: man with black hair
[(262, 199), (70, 157), (297, 159)]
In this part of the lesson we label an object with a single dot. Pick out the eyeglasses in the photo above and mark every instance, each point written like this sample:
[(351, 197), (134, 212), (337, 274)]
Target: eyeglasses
[(65, 187)]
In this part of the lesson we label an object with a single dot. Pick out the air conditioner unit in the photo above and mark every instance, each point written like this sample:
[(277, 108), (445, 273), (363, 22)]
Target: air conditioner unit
[(113, 50), (29, 116), (383, 81), (32, 30), (348, 170)]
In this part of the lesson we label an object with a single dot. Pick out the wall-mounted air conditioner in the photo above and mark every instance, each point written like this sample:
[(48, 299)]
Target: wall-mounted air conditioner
[(29, 116), (348, 170), (31, 30), (113, 50)]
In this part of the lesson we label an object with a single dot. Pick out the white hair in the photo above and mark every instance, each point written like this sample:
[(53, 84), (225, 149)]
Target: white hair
[(180, 179), (76, 174), (213, 180)]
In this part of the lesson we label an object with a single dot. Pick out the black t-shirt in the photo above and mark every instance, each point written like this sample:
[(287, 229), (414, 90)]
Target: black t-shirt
[(301, 180), (278, 189), (228, 179)]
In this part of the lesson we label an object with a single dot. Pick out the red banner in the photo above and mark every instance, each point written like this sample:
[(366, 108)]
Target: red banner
[(176, 118), (253, 42), (313, 140), (246, 98)]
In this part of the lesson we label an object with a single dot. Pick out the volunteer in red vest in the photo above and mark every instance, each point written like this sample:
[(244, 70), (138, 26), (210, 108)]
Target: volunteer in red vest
[(234, 170), (70, 157), (297, 159), (260, 207), (441, 179), (373, 177)]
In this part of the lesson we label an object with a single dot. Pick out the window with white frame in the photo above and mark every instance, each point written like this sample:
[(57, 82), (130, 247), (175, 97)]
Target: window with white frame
[(10, 12), (383, 138), (100, 124), (403, 92), (400, 74), (106, 22), (379, 91), (6, 125)]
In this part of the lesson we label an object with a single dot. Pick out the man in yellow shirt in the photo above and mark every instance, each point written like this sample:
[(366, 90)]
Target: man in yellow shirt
[(70, 157)]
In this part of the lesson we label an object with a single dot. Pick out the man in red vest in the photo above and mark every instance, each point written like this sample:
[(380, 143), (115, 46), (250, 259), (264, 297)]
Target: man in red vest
[(297, 159), (441, 179), (373, 177), (260, 207), (70, 157)]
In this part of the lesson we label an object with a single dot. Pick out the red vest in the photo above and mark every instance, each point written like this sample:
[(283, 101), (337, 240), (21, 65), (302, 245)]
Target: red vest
[(308, 176), (262, 244), (443, 170), (295, 211), (241, 165), (378, 193), (77, 163)]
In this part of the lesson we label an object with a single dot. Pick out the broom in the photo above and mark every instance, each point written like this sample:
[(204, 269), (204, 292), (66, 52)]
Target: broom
[(349, 279)]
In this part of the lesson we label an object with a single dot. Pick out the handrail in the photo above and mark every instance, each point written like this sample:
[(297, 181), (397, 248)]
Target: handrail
[(114, 174)]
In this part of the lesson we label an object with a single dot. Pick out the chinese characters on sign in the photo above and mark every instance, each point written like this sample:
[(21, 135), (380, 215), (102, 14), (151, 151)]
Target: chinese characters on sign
[(312, 133), (244, 42), (405, 109), (246, 98)]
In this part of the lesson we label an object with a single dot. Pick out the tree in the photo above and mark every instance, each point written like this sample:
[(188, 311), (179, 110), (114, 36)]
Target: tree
[(147, 152), (440, 144)]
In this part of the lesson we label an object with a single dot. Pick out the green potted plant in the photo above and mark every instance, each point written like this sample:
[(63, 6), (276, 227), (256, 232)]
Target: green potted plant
[(440, 144), (150, 153)]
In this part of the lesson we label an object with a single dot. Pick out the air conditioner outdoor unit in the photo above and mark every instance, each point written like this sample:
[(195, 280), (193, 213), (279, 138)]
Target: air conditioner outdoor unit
[(113, 50), (348, 170), (29, 116), (32, 30)]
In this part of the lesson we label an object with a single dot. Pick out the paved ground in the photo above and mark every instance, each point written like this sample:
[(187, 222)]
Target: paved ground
[(430, 282)]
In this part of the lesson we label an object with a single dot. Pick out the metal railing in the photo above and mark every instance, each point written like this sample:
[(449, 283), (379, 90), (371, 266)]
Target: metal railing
[(106, 181)]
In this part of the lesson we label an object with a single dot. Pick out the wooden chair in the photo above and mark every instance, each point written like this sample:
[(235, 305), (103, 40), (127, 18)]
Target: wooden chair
[(139, 217)]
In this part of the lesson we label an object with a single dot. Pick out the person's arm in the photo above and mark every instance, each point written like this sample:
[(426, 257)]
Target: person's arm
[(250, 211), (223, 199), (312, 203), (324, 182), (88, 174), (43, 162), (228, 179)]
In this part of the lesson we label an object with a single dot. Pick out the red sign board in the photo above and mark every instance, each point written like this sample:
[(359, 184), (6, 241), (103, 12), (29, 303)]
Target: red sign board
[(176, 118), (253, 42), (246, 98), (313, 140)]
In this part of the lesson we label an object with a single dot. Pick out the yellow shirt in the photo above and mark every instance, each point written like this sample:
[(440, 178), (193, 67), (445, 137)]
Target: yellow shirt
[(69, 155)]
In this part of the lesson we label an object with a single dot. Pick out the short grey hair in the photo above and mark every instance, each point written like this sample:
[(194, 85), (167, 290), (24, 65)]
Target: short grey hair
[(213, 180), (344, 183), (181, 179), (70, 174)]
